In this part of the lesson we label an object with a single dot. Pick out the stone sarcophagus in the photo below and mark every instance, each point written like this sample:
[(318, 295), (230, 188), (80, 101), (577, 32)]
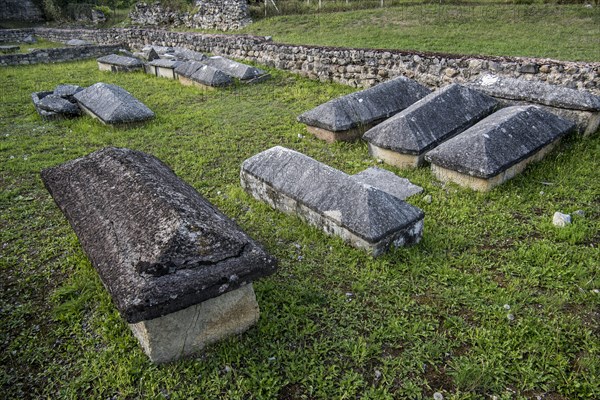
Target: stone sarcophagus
[(178, 270)]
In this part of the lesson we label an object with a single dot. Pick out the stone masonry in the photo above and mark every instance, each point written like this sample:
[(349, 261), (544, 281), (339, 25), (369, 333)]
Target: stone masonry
[(354, 67)]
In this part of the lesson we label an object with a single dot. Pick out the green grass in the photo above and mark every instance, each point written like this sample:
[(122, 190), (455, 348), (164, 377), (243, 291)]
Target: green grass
[(561, 32), (335, 323)]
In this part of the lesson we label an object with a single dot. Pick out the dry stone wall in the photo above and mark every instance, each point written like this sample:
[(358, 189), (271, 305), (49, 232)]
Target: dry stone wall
[(354, 67), (222, 15), (57, 55)]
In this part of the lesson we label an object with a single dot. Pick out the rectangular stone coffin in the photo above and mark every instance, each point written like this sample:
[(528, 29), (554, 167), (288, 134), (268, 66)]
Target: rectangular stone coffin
[(403, 139), (346, 118), (163, 68), (201, 75), (578, 106), (178, 270), (116, 63), (499, 147), (243, 72), (112, 105), (341, 205)]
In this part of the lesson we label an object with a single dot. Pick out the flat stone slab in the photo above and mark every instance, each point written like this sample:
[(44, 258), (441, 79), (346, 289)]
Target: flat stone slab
[(234, 69), (157, 244), (67, 91), (387, 181), (579, 106), (341, 205), (498, 147), (116, 63), (112, 104), (202, 75), (403, 139), (77, 42), (348, 117)]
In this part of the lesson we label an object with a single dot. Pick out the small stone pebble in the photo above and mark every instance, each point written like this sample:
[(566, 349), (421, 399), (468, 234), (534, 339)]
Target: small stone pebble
[(507, 307), (378, 374), (579, 213), (427, 199), (438, 396), (510, 317), (561, 220)]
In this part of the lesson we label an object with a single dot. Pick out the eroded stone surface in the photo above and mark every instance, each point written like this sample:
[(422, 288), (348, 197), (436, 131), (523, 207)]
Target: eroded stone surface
[(499, 143), (537, 92), (362, 215), (389, 182), (187, 331), (428, 122), (58, 104), (77, 42), (202, 74), (116, 63), (365, 108), (234, 69), (158, 246), (112, 104)]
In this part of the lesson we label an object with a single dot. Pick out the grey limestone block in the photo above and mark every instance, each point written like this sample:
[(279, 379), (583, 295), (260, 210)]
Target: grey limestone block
[(403, 139), (67, 91), (77, 42), (389, 182), (116, 63), (57, 104), (234, 69), (579, 106), (348, 117), (341, 205), (112, 104), (157, 244), (498, 147), (194, 72)]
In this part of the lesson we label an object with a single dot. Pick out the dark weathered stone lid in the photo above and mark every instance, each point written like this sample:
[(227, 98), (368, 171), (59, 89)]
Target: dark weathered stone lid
[(122, 61), (158, 245), (113, 104), (161, 62), (234, 68), (204, 74), (366, 106), (364, 210), (431, 120), (500, 141), (537, 92)]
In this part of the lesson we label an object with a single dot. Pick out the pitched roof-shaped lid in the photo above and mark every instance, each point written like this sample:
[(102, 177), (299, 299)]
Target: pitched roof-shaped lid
[(362, 209), (113, 104), (366, 106), (431, 120), (234, 68), (120, 60), (537, 92), (500, 141)]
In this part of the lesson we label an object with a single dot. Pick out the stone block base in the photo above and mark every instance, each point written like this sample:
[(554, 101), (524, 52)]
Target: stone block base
[(487, 184), (183, 333), (188, 82), (404, 161), (168, 73), (116, 68), (338, 136)]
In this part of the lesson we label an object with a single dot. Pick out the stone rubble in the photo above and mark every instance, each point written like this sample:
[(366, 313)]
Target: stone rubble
[(57, 104)]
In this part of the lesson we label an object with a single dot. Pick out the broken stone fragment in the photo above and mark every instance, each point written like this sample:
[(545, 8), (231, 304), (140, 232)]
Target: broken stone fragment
[(116, 63), (403, 139), (579, 106), (178, 270), (202, 75), (67, 91), (348, 117), (112, 104), (341, 205), (498, 147), (57, 104), (561, 220)]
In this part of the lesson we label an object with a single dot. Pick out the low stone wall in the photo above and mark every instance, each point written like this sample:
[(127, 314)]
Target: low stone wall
[(355, 67), (58, 55), (14, 35)]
